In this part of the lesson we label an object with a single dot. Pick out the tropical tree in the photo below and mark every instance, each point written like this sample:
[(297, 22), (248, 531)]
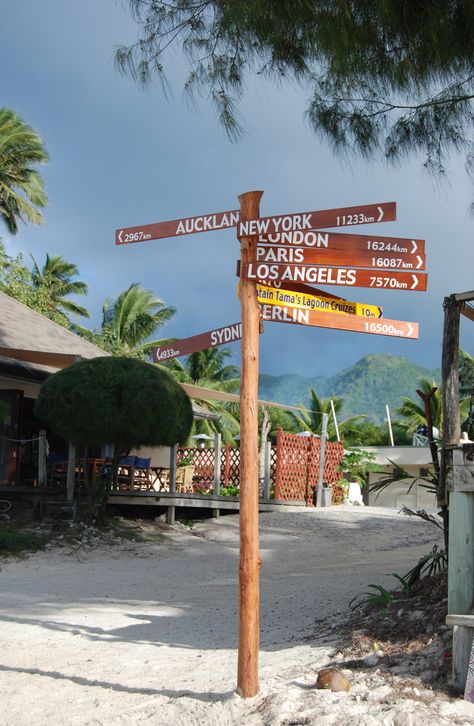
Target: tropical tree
[(116, 401), (15, 280), (385, 77), (413, 411), (209, 365), (207, 369), (55, 280), (21, 187), (128, 321), (312, 419)]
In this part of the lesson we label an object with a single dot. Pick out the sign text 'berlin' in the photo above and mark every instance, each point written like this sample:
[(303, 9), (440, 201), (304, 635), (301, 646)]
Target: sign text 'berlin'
[(392, 328)]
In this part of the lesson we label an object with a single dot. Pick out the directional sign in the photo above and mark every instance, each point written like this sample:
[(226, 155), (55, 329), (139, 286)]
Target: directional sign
[(219, 336), (345, 241), (344, 276), (392, 328), (342, 217), (377, 260), (177, 227), (304, 301)]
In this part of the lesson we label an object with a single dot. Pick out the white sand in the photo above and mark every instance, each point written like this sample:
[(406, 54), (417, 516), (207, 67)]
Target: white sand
[(146, 632)]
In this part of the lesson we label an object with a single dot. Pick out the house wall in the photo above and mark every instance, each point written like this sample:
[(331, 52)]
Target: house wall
[(160, 455), (399, 494)]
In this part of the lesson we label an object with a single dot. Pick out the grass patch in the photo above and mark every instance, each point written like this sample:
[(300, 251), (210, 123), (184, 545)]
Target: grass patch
[(15, 542)]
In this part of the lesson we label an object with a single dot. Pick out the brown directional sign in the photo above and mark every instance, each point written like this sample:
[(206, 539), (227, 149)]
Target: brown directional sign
[(302, 221), (304, 256), (177, 227), (392, 328), (344, 276), (218, 336), (374, 244)]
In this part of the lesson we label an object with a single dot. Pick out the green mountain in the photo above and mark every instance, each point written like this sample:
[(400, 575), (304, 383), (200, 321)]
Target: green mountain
[(366, 387)]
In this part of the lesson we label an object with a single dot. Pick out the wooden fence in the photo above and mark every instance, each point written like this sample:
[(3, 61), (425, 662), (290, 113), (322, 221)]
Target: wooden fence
[(294, 466)]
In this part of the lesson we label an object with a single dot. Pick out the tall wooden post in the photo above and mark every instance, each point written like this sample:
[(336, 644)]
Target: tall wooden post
[(249, 565)]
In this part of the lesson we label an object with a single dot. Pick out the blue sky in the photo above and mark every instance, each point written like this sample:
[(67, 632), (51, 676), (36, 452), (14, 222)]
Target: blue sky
[(122, 157)]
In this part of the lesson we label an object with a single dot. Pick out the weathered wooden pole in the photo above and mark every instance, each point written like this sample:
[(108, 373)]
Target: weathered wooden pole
[(249, 565)]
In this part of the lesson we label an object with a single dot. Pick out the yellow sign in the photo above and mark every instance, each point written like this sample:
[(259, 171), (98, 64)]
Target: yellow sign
[(277, 296)]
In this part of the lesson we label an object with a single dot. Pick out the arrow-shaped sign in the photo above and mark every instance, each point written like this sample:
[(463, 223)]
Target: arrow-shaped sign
[(391, 328), (344, 276), (319, 239), (341, 217), (304, 256), (291, 298), (177, 227)]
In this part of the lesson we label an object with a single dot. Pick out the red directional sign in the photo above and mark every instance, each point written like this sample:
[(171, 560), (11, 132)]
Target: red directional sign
[(344, 241), (342, 217), (219, 336), (392, 328), (177, 227), (374, 260), (344, 276)]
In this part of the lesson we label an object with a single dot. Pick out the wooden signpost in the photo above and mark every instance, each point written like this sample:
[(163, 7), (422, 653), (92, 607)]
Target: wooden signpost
[(176, 227), (307, 256), (342, 276), (386, 255), (317, 303), (354, 323), (303, 221), (348, 242), (185, 346)]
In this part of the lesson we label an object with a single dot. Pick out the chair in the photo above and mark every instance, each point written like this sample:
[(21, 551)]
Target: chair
[(141, 473), (125, 472), (184, 479)]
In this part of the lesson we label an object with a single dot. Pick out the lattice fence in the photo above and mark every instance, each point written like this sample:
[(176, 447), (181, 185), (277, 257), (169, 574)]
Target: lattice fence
[(297, 467), (203, 462)]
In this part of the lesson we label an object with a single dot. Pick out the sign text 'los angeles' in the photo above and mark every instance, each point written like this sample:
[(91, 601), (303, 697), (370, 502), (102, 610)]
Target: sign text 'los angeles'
[(344, 276)]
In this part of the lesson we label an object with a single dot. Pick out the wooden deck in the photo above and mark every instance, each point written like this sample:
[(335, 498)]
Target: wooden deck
[(169, 501)]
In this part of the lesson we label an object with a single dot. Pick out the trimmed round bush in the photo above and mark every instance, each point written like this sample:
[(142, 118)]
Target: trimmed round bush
[(113, 400)]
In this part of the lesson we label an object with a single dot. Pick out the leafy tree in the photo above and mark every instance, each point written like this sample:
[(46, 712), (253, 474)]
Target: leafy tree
[(55, 280), (15, 280), (385, 76), (128, 321), (21, 187), (312, 420), (117, 401)]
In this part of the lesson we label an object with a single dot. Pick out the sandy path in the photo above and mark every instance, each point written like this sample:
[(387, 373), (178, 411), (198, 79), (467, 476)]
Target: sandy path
[(146, 632)]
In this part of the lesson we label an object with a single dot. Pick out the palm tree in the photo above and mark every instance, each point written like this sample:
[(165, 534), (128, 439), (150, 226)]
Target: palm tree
[(55, 279), (312, 420), (21, 187), (209, 364), (128, 321), (206, 369), (413, 411)]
